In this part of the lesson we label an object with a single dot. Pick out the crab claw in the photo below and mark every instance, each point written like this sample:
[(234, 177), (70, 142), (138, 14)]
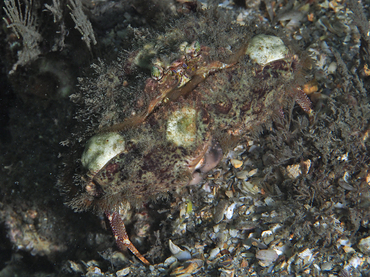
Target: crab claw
[(209, 161), (120, 234), (212, 157)]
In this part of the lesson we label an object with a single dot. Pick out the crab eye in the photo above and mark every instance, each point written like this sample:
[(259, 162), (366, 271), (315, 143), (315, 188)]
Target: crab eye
[(193, 49), (196, 47), (157, 73)]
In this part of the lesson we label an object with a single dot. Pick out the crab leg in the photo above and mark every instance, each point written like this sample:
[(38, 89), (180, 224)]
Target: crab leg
[(120, 234), (201, 74)]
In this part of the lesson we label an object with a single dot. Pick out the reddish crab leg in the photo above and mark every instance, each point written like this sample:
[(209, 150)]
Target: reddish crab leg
[(120, 234)]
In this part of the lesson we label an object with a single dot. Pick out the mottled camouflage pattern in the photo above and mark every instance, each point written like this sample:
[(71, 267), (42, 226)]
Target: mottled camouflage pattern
[(232, 99)]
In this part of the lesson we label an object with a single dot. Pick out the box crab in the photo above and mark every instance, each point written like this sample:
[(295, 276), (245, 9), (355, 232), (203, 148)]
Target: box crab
[(189, 113)]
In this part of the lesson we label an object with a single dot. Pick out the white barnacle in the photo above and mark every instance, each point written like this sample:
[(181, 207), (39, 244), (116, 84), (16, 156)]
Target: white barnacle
[(182, 127), (100, 149), (264, 49)]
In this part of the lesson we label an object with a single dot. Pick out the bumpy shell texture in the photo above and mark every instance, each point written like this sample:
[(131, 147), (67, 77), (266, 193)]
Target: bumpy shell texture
[(204, 97)]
